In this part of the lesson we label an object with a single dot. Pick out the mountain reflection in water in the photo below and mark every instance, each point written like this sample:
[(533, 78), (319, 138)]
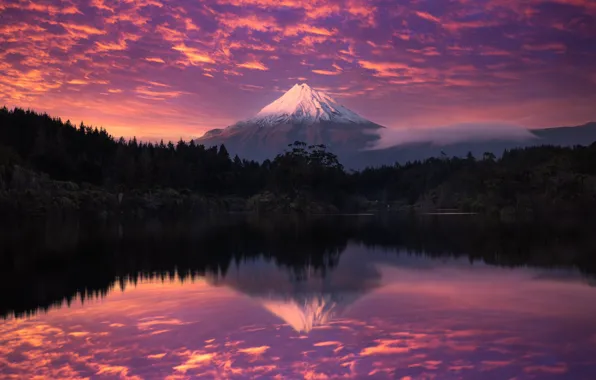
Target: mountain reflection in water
[(304, 300)]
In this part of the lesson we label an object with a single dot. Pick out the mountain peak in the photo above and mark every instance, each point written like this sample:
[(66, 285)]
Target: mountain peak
[(301, 85), (303, 104)]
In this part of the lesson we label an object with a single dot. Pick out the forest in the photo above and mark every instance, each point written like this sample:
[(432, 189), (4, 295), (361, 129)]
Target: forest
[(47, 164)]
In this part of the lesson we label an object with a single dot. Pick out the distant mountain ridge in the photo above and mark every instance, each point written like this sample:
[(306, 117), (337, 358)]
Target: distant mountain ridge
[(568, 136)]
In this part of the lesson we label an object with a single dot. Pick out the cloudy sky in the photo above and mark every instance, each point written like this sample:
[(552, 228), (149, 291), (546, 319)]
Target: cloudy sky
[(170, 69)]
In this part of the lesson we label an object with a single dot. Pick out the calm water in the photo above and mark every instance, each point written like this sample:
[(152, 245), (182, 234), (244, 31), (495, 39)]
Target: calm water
[(435, 298)]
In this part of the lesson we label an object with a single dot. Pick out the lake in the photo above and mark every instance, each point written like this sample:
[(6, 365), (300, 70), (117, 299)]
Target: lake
[(435, 297)]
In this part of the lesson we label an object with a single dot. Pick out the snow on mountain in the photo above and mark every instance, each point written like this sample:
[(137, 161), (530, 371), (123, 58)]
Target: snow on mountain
[(302, 104)]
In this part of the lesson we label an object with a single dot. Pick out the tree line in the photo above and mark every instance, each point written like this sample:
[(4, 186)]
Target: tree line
[(520, 179)]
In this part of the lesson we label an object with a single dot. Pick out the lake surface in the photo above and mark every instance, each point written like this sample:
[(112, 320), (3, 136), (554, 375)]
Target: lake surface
[(434, 298)]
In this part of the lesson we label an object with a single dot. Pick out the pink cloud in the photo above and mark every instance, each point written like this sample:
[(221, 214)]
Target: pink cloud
[(427, 16), (253, 65), (553, 46)]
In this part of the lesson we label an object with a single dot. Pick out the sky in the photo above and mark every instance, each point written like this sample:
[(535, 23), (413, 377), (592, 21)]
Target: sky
[(175, 69)]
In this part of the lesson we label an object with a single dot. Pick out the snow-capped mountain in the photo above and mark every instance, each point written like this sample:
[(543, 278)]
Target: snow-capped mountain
[(301, 114)]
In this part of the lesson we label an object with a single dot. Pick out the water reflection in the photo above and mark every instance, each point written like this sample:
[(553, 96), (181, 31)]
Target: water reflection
[(308, 301), (397, 317), (300, 300)]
